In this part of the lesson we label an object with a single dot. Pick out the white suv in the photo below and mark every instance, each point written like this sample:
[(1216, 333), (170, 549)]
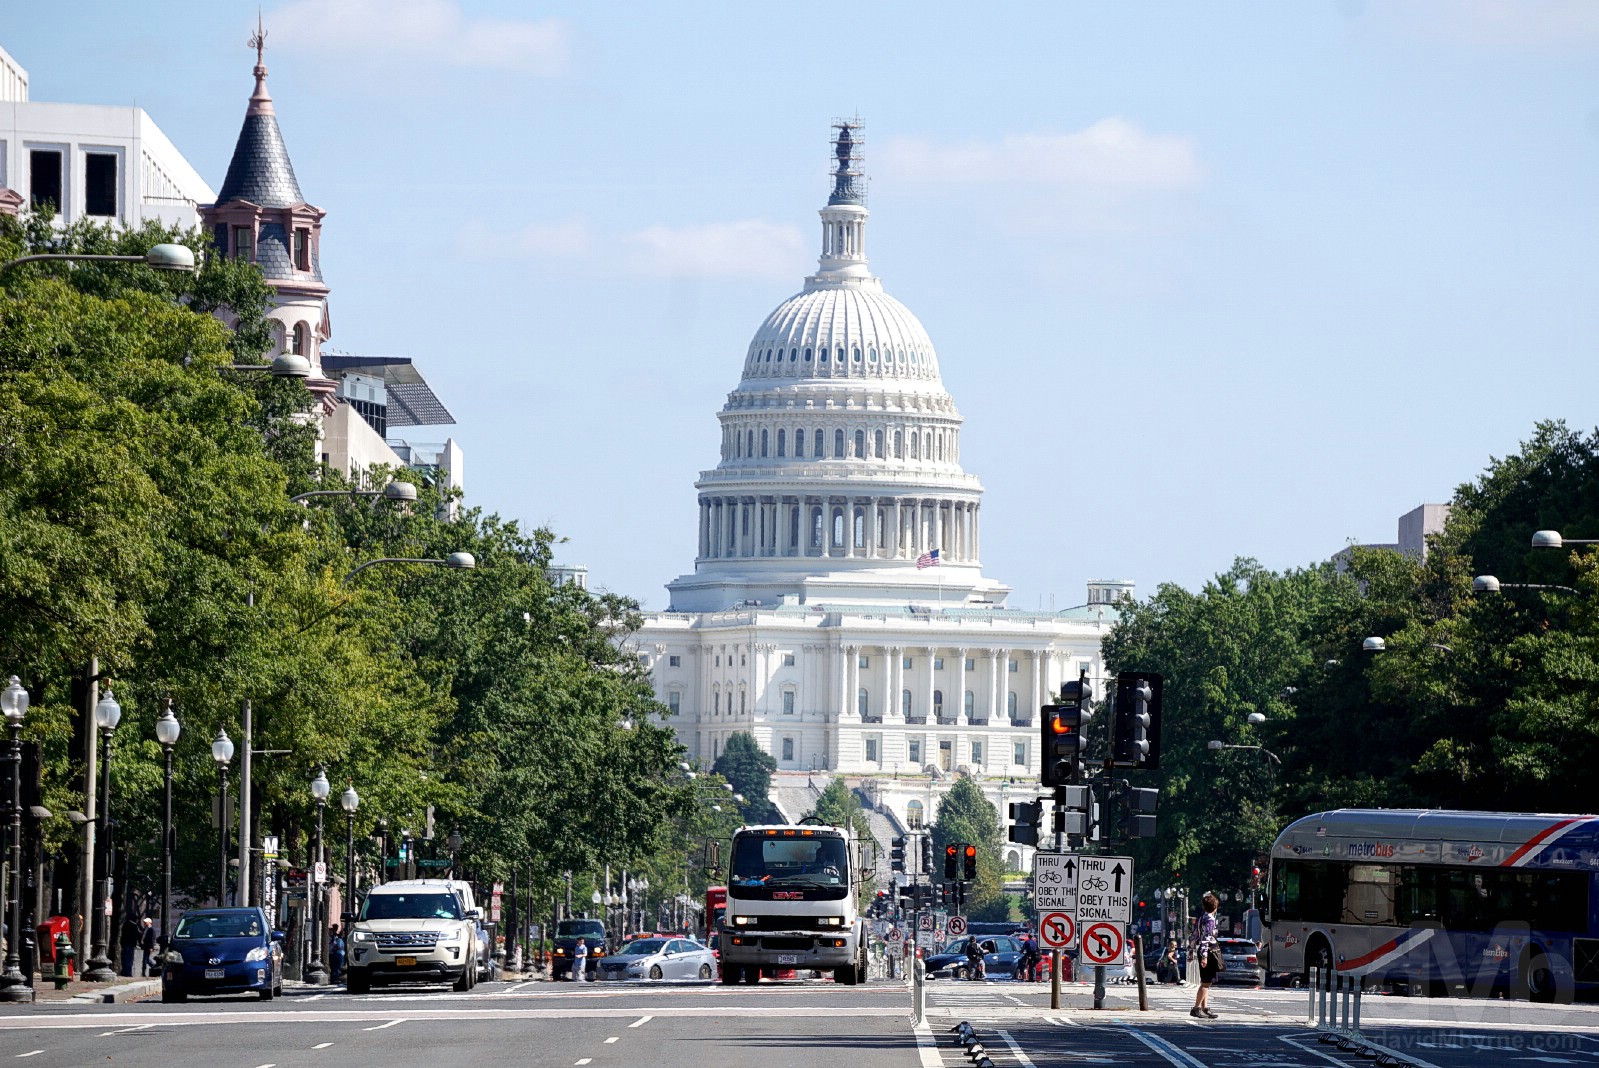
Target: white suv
[(413, 931)]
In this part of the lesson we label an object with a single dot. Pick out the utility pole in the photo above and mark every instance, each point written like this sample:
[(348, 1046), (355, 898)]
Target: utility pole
[(91, 734), (244, 896)]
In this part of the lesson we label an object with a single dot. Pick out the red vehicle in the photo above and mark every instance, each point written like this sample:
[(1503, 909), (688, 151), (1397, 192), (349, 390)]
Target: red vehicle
[(715, 909)]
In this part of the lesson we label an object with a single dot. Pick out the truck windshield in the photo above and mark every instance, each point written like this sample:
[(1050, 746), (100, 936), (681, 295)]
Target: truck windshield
[(762, 861), (411, 907), (580, 929)]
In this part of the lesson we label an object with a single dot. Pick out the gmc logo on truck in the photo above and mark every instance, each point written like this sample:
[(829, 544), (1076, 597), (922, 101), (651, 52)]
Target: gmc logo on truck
[(788, 895)]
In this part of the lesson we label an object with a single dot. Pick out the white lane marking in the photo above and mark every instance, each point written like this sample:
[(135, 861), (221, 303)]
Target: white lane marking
[(273, 1065), (1013, 997), (514, 989), (585, 1060), (1016, 1051), (30, 1053), (322, 1045), (316, 997), (613, 1038), (927, 1046), (127, 1030), (1169, 1052), (641, 1021), (381, 1027), (1408, 1058)]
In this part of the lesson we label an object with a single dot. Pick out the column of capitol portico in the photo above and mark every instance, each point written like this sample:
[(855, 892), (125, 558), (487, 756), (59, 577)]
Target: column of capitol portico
[(960, 688)]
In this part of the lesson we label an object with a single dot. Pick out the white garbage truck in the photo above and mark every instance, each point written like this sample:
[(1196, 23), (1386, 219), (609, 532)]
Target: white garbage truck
[(793, 893)]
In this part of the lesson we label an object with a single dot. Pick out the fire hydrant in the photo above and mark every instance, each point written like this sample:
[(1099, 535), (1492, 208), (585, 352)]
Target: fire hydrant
[(64, 957)]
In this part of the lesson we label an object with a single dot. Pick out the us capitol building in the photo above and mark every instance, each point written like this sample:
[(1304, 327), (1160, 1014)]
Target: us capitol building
[(837, 609)]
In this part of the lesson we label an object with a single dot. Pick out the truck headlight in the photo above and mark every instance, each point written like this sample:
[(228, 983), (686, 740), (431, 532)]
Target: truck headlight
[(743, 921), (258, 953), (831, 921)]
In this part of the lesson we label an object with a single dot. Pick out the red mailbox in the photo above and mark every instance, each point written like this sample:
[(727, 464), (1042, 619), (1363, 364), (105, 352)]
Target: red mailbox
[(47, 939)]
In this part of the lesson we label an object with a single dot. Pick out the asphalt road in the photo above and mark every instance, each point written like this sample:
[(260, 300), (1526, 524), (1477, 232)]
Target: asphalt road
[(775, 1025)]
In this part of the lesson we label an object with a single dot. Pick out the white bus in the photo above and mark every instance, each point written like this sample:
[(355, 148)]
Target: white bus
[(1492, 902)]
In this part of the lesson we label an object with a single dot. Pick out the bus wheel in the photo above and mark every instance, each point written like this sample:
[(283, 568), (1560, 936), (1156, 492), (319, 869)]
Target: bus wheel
[(730, 974), (1318, 956), (1537, 979)]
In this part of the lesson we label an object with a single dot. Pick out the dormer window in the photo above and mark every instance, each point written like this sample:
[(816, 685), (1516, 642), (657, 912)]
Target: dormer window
[(243, 243), (302, 250)]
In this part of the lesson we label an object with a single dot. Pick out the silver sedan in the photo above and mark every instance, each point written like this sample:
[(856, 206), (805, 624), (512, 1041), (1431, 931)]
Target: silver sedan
[(659, 958)]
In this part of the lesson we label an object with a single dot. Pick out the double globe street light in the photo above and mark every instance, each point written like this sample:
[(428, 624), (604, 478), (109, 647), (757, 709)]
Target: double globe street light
[(349, 801), (315, 973), (222, 753), (167, 730), (107, 714)]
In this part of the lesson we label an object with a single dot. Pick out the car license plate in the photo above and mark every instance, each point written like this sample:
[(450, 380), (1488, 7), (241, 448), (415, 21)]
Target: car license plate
[(216, 973), (405, 962), (787, 959)]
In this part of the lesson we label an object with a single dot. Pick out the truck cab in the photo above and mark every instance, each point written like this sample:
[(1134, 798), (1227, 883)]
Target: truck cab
[(791, 904)]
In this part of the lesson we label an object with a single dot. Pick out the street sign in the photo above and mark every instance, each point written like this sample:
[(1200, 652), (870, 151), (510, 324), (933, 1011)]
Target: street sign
[(319, 872), (1056, 930), (956, 926), (1055, 877), (1104, 890), (894, 935), (269, 847), (926, 922), (1102, 943)]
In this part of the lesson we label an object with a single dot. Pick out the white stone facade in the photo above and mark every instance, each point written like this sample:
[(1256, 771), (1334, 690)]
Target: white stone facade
[(814, 618)]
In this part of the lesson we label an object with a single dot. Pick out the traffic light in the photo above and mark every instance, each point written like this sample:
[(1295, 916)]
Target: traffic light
[(1026, 816), (1138, 810), (951, 855), (927, 854), (896, 854), (946, 894), (1062, 729), (968, 862), (1136, 738)]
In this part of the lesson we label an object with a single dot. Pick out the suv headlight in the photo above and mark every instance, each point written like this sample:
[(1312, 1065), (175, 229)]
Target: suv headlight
[(452, 937), (258, 953), (359, 935)]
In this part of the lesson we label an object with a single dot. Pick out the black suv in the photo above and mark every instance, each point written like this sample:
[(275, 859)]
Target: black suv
[(567, 932)]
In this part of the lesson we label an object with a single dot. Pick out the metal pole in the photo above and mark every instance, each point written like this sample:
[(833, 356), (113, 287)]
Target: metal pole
[(349, 860), (166, 848), (222, 840), (245, 896), (91, 733), (13, 984), (99, 968), (315, 973)]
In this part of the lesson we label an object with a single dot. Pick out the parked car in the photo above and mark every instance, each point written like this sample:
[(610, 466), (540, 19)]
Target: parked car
[(567, 932), (1243, 962), (223, 951), (1001, 957), (659, 958)]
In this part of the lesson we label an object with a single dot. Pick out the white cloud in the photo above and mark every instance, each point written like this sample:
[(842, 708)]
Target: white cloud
[(1111, 153), (733, 249), (569, 239), (1521, 24), (435, 30)]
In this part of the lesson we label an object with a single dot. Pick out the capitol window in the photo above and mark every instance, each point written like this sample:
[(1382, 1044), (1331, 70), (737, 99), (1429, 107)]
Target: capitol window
[(871, 750), (877, 445), (838, 528), (817, 452), (871, 354), (674, 661), (860, 443), (716, 703), (1020, 754), (788, 659), (899, 444), (971, 664), (938, 663), (816, 526), (1013, 664), (905, 703), (838, 443), (807, 355), (1010, 705), (788, 702), (768, 355), (799, 443), (749, 448), (782, 438), (779, 355), (938, 703), (824, 355), (864, 661), (905, 662), (788, 749), (855, 354), (793, 354), (915, 452), (765, 437), (977, 752), (970, 704), (862, 703), (674, 701)]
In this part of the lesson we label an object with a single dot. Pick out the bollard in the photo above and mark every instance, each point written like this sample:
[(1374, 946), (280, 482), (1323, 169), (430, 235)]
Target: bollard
[(918, 990), (1327, 1022), (1313, 978)]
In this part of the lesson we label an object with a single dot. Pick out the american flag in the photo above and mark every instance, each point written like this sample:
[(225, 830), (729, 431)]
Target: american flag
[(927, 559)]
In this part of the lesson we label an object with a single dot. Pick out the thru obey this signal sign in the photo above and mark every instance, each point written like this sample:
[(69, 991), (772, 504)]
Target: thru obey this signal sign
[(1056, 930), (1102, 943)]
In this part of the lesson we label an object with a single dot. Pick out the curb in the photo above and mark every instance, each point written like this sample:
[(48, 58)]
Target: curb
[(126, 992)]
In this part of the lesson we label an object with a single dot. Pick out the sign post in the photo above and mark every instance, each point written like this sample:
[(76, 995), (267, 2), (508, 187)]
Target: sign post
[(1104, 908), (1055, 895)]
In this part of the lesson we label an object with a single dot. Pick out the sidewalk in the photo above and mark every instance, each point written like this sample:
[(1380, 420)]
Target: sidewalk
[(122, 989)]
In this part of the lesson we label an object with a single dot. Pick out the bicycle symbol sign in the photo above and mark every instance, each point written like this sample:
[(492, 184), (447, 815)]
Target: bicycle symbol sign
[(1055, 882), (1093, 883)]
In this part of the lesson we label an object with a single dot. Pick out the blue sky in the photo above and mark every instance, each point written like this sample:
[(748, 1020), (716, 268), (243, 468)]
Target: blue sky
[(1205, 280)]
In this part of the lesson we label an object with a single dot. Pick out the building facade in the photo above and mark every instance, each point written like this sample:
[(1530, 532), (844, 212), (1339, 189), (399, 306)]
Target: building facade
[(837, 609)]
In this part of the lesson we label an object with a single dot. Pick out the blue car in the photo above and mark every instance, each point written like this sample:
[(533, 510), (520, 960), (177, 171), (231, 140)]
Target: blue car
[(223, 951)]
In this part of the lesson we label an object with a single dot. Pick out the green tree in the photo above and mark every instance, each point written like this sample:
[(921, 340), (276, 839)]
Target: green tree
[(837, 806), (966, 815), (749, 768)]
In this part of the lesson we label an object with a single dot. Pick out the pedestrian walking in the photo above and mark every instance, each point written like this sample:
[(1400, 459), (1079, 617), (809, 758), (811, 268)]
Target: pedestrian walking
[(580, 961), (974, 959), (131, 933), (1167, 970), (1209, 957), (336, 951), (147, 965), (1030, 957)]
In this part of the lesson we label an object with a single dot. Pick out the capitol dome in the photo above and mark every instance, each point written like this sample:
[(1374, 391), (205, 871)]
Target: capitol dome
[(840, 477)]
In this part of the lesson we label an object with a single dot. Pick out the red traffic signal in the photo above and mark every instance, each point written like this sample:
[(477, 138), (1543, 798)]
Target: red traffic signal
[(970, 867), (951, 852)]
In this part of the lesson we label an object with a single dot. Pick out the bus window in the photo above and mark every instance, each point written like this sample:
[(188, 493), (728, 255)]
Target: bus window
[(1370, 895), (1308, 892)]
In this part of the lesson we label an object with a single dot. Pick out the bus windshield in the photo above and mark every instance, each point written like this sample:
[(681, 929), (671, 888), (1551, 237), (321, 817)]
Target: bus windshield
[(815, 861)]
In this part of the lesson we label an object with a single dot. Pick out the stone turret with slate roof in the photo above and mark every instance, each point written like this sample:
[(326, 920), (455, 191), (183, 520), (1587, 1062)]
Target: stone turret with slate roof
[(261, 215)]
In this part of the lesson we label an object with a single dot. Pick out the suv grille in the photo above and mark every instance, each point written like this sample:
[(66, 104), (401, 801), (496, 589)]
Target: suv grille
[(397, 940)]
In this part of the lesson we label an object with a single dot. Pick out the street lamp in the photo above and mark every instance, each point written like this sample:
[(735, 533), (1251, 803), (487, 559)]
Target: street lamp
[(284, 365), (1551, 539), (167, 730), (453, 842), (13, 984), (403, 492), (163, 257), (315, 973), (349, 801), (222, 752), (107, 714), (1490, 584), (383, 856), (461, 561), (1378, 645), (1214, 745)]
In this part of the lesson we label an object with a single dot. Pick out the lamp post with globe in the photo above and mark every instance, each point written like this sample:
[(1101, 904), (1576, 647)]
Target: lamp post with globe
[(349, 801), (222, 753), (167, 730), (315, 973), (107, 714), (13, 984)]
